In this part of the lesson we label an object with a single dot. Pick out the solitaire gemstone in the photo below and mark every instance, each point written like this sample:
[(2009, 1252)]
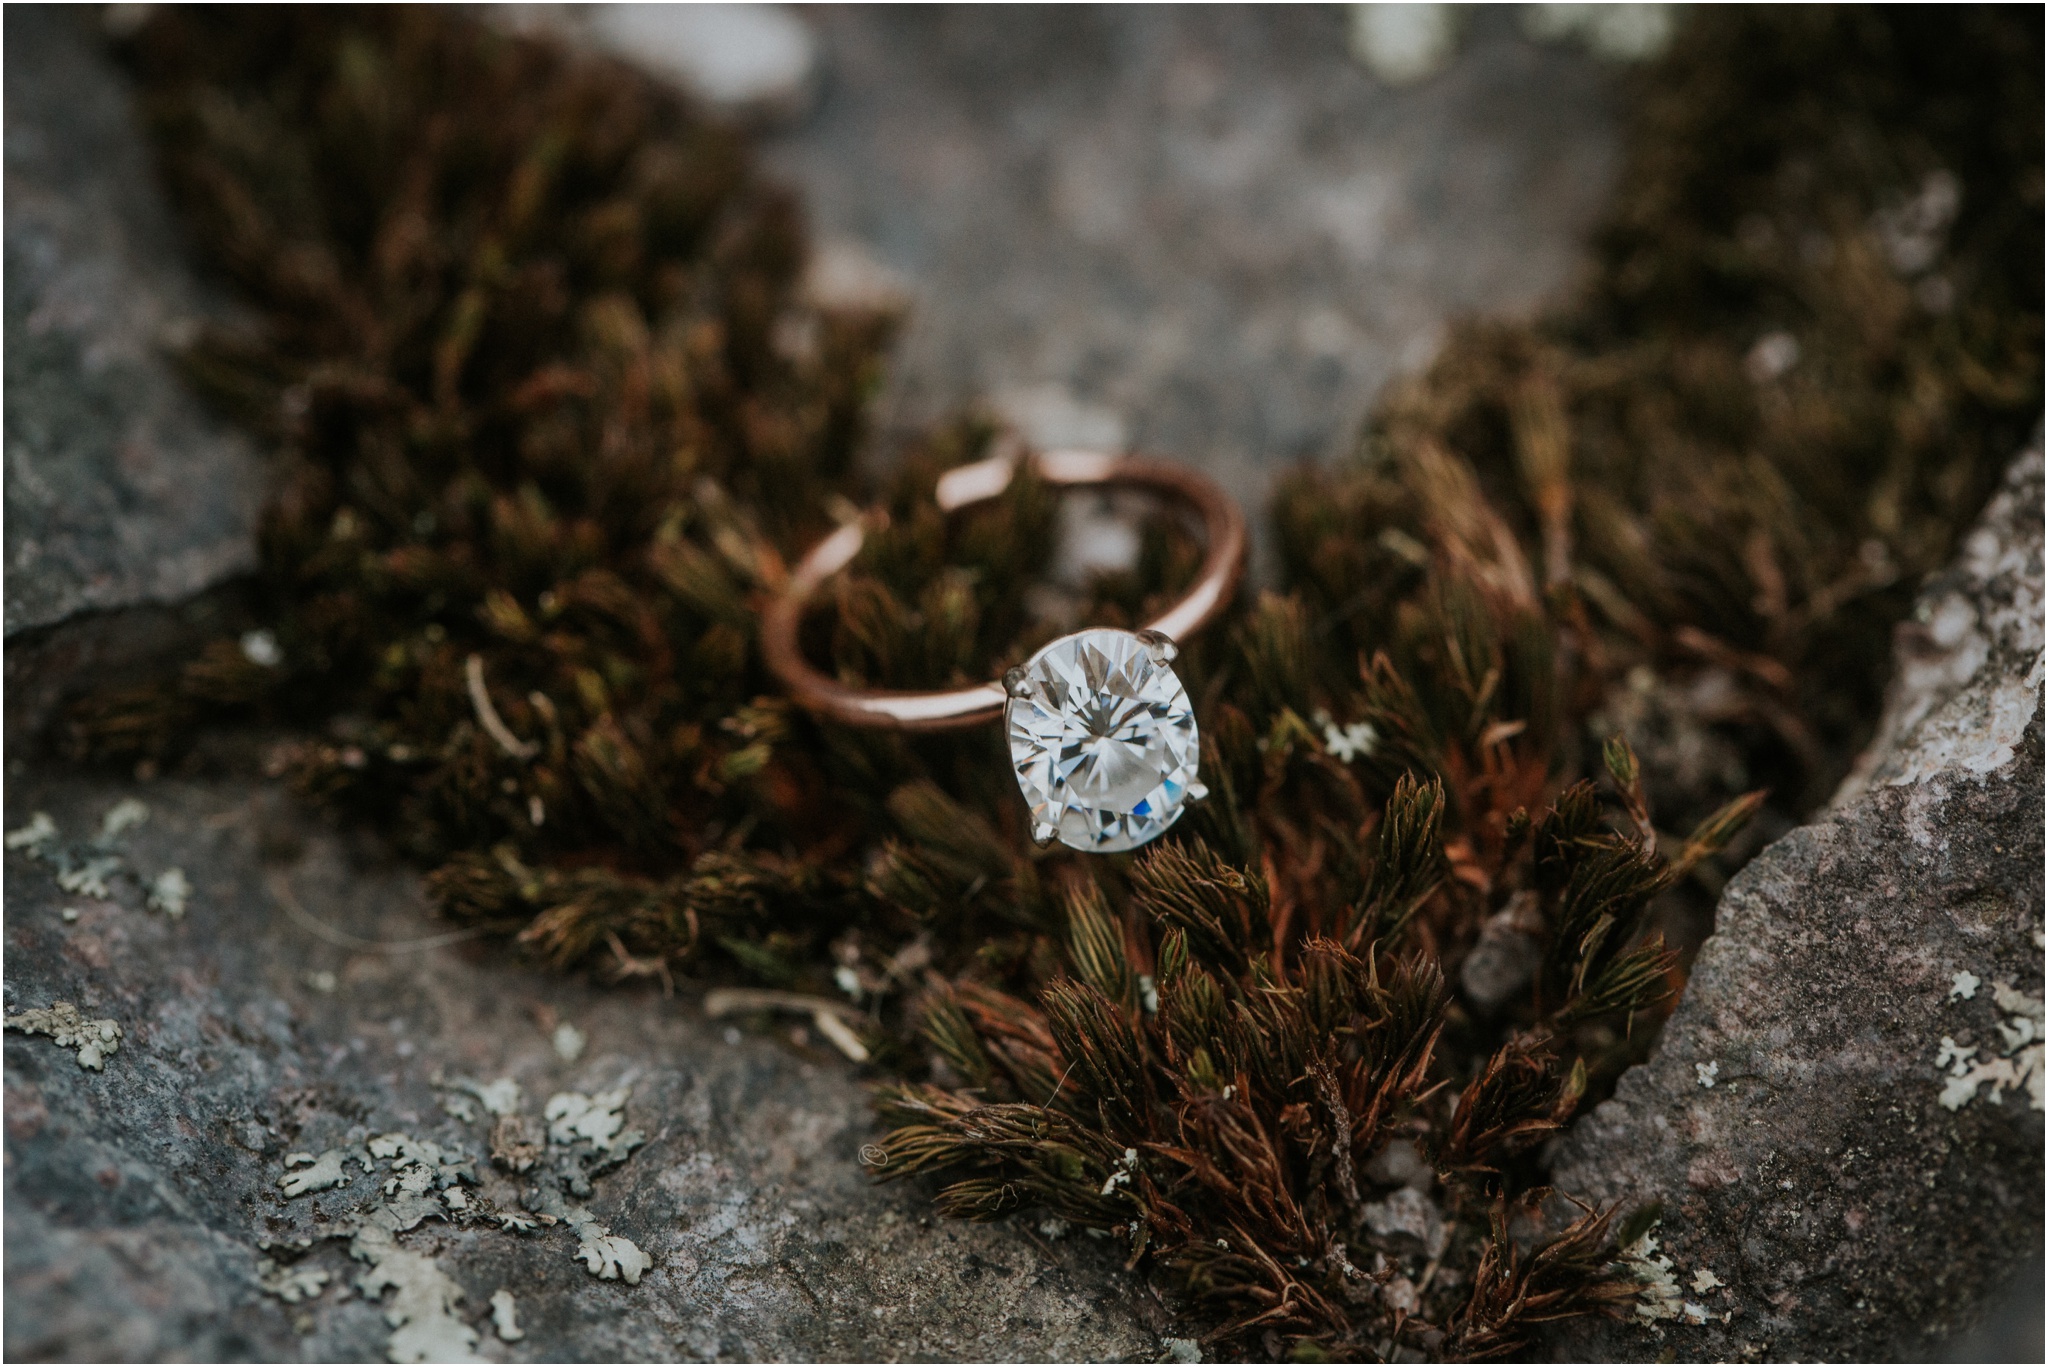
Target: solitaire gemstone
[(1103, 739)]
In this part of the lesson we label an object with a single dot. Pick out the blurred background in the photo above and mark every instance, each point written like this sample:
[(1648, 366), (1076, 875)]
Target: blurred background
[(1215, 233), (1208, 231)]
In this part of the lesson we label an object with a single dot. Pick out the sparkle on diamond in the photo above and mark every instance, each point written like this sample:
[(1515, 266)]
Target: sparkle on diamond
[(1103, 740)]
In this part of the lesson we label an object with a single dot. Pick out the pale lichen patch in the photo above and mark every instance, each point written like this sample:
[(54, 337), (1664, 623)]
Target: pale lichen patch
[(95, 1040), (290, 1284), (169, 892), (600, 1119), (119, 818), (569, 1042), (423, 1183), (502, 1097), (1965, 985), (505, 1316), (2017, 1065), (34, 838), (1704, 1281), (314, 1174), (1708, 1073), (421, 1311), (609, 1256), (1660, 1298), (89, 879)]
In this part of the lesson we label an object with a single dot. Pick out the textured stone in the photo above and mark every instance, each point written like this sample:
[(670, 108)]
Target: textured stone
[(120, 491), (1857, 1188), (1204, 230), (143, 1200)]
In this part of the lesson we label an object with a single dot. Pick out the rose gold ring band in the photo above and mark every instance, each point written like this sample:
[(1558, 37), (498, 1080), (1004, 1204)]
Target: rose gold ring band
[(1223, 526)]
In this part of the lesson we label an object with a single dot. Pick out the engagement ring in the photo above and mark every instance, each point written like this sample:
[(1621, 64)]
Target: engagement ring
[(1102, 735)]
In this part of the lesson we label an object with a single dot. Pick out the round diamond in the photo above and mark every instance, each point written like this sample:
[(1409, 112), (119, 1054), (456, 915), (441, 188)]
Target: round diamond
[(1103, 739)]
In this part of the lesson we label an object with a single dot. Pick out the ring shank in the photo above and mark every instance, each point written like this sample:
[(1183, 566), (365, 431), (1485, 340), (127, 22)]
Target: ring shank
[(1223, 560)]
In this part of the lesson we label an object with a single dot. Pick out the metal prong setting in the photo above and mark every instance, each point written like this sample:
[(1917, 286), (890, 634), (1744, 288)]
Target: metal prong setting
[(1043, 833), (1159, 646), (1013, 681), (1197, 791)]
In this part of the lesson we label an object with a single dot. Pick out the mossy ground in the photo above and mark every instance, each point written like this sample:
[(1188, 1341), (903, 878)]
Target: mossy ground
[(551, 412)]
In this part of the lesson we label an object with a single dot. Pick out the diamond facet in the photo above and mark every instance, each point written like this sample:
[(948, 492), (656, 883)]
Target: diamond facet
[(1103, 739)]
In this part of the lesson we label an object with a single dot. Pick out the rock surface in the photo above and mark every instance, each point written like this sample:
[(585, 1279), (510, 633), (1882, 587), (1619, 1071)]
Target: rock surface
[(120, 491), (140, 1198), (124, 499), (1820, 1123), (1202, 230)]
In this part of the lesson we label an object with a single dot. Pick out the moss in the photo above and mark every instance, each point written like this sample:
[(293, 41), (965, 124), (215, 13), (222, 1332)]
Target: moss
[(1600, 601)]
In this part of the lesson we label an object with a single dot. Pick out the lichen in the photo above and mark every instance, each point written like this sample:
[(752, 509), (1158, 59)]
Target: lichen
[(1660, 1298), (169, 892), (315, 1174), (2016, 1064), (426, 1179), (505, 1316), (119, 818), (600, 1119), (88, 878), (290, 1284), (568, 1042), (608, 1256), (95, 1040), (422, 1308), (37, 836)]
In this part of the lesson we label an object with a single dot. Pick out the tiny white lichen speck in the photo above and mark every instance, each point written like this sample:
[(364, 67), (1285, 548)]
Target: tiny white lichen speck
[(1354, 740), (95, 1040), (34, 837), (1704, 1281), (90, 878), (123, 814), (1965, 985), (169, 892), (1707, 1072), (569, 1042), (502, 1097), (504, 1316)]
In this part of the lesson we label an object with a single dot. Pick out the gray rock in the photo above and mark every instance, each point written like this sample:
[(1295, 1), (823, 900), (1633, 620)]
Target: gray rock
[(120, 491), (1204, 230), (143, 1199), (755, 62), (1843, 1120)]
